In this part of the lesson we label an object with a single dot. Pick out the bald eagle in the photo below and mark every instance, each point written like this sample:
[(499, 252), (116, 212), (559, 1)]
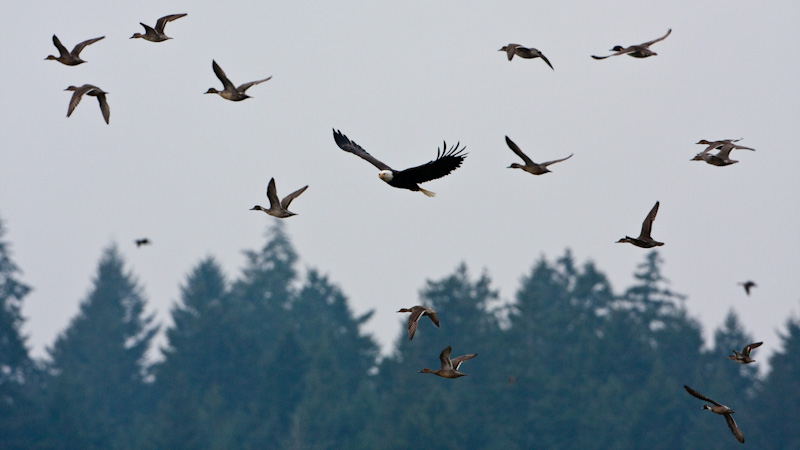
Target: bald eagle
[(447, 160)]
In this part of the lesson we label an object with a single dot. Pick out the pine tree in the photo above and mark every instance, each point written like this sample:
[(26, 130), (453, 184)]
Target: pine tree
[(99, 366), (18, 409), (776, 407)]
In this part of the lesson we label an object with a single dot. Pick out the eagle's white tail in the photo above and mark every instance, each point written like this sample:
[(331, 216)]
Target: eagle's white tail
[(427, 192)]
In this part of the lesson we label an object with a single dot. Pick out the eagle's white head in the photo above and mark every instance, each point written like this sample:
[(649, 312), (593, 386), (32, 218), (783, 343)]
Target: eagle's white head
[(386, 175)]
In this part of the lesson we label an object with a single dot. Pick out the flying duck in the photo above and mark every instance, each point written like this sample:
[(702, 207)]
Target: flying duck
[(277, 208), (141, 242), (719, 409), (446, 161), (416, 313), (636, 51), (644, 240), (747, 285), (523, 52), (70, 58), (449, 367), (94, 91), (157, 34), (722, 158), (530, 166), (744, 357), (229, 91)]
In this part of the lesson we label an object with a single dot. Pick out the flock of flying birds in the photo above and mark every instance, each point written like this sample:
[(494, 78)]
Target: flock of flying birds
[(447, 160)]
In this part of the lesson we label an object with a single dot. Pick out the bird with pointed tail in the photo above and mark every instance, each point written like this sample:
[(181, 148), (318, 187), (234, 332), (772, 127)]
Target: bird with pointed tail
[(156, 34), (524, 52), (72, 58), (637, 51), (644, 240), (229, 91), (278, 208), (447, 160), (449, 368), (530, 166), (93, 91), (721, 410), (416, 313), (744, 356)]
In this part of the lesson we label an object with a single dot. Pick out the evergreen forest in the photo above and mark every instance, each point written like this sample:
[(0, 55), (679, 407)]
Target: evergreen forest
[(274, 358)]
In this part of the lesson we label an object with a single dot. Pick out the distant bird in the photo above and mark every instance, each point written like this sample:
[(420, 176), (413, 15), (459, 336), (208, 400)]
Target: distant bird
[(636, 51), (744, 357), (747, 285), (141, 242), (716, 144), (416, 313), (523, 52), (157, 34), (229, 91), (93, 91), (449, 367), (70, 58), (644, 240), (719, 409), (530, 166), (722, 158), (280, 208), (446, 161)]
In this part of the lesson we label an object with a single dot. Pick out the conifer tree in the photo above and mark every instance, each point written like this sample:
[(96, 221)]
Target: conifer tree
[(18, 408), (99, 368)]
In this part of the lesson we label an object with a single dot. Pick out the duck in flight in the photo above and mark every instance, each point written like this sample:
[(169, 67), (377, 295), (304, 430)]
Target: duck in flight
[(156, 34), (530, 166), (723, 156), (229, 91), (744, 357), (93, 91), (719, 409), (70, 58), (447, 160), (279, 209), (416, 313), (141, 242), (449, 367), (644, 240), (523, 52), (747, 285), (636, 51)]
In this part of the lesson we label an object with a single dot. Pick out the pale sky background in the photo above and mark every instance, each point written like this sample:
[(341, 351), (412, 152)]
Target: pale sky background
[(183, 168)]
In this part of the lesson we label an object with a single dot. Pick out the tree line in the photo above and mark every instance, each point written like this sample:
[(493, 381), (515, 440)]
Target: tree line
[(275, 359)]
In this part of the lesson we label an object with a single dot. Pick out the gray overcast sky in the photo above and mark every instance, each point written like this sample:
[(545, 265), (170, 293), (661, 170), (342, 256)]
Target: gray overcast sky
[(183, 168)]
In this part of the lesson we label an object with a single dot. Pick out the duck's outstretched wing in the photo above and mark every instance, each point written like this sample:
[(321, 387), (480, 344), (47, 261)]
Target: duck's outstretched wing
[(226, 83), (61, 49), (647, 225), (557, 160), (101, 98), (351, 147), (649, 43), (515, 148), (77, 95), (734, 429), (272, 194), (460, 359), (748, 348), (78, 48), (541, 55), (447, 160), (288, 199), (247, 86), (444, 358), (162, 22), (699, 395)]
